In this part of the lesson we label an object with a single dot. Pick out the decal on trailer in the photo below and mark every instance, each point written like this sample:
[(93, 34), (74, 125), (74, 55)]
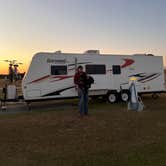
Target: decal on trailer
[(39, 79), (58, 78), (127, 63), (144, 77), (58, 91)]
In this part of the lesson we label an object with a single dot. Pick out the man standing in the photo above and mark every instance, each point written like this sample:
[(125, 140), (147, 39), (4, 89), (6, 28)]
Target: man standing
[(80, 80)]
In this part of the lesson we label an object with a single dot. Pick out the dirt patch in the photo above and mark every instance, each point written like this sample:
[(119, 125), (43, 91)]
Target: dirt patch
[(58, 136)]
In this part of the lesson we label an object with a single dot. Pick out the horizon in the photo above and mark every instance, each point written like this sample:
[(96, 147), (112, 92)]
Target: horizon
[(111, 26), (23, 69)]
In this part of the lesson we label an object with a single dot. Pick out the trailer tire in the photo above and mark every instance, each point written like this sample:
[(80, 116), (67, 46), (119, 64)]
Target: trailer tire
[(125, 95), (112, 97)]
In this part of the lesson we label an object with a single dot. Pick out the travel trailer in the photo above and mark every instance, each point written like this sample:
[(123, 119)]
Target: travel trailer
[(50, 75)]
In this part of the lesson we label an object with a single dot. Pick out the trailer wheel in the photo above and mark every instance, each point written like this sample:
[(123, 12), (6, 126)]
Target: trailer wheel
[(124, 96), (112, 97)]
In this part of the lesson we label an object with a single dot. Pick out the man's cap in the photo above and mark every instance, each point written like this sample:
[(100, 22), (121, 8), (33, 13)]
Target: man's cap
[(80, 67)]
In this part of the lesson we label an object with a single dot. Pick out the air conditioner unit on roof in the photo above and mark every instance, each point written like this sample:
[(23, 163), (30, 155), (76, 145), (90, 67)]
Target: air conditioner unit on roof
[(92, 52)]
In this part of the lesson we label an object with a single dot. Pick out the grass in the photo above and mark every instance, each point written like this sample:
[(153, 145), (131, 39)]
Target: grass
[(109, 136)]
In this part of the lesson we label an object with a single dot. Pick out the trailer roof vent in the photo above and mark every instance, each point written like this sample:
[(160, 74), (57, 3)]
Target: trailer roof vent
[(58, 52), (143, 55), (92, 52), (149, 55), (139, 54)]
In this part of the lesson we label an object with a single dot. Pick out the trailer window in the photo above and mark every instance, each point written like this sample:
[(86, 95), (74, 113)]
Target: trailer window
[(95, 69), (116, 69), (59, 70)]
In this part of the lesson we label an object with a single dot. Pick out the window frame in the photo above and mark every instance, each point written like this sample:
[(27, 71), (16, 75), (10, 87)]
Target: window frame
[(66, 71), (114, 71), (92, 73)]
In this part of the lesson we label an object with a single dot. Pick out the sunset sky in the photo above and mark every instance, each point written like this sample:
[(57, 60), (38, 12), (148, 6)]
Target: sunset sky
[(112, 26)]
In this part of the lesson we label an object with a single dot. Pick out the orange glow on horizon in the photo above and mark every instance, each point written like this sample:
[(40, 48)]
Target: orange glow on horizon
[(27, 58), (4, 69), (7, 55)]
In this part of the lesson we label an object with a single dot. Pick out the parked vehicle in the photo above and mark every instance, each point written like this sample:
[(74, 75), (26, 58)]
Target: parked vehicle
[(50, 75)]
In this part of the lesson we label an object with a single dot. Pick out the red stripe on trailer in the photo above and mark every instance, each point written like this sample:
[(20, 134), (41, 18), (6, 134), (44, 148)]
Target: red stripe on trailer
[(58, 78), (128, 62), (61, 78), (39, 79)]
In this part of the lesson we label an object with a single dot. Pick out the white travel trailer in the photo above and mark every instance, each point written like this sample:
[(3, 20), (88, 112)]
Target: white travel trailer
[(50, 75)]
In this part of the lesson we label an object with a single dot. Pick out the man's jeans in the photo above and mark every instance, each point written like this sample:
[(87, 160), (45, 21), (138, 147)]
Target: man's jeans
[(83, 103)]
